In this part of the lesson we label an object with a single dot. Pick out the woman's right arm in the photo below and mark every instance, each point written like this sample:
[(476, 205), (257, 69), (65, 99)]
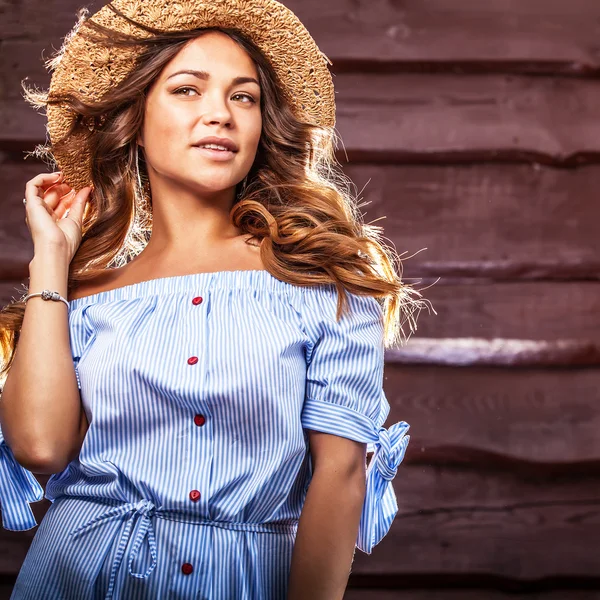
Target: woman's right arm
[(41, 410), (41, 414)]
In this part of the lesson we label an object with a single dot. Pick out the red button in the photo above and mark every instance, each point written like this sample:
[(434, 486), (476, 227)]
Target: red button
[(186, 568), (199, 420), (197, 300), (192, 360), (195, 495)]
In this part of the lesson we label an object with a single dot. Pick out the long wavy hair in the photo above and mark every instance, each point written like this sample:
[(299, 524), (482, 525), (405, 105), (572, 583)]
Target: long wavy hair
[(296, 201)]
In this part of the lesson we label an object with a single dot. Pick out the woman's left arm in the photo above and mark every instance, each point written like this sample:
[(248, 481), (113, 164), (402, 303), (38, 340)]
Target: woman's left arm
[(328, 527)]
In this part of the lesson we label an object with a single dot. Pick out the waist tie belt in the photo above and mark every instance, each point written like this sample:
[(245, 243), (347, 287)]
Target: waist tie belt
[(143, 511)]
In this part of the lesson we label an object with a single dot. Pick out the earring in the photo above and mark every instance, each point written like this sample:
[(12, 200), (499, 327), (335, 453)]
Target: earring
[(143, 189)]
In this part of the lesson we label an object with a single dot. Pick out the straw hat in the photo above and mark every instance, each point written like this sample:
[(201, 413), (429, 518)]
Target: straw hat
[(88, 69)]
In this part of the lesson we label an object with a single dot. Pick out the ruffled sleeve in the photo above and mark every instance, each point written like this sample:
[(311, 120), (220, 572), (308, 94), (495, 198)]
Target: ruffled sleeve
[(345, 397), (81, 332), (18, 487)]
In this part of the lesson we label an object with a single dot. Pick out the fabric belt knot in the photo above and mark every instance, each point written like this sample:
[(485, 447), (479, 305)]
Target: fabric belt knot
[(139, 515), (380, 506)]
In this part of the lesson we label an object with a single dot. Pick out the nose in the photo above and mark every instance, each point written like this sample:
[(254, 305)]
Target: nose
[(214, 109)]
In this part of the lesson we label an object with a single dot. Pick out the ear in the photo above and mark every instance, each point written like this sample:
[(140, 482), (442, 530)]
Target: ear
[(139, 139)]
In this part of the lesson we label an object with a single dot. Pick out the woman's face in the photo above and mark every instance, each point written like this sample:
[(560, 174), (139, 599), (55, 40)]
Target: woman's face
[(183, 108)]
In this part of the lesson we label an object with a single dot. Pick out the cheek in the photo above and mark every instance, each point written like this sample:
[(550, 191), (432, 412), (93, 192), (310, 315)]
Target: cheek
[(164, 124), (164, 140)]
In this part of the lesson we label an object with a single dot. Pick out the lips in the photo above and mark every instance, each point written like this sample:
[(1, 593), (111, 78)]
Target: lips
[(225, 142), (218, 155), (214, 149), (204, 147)]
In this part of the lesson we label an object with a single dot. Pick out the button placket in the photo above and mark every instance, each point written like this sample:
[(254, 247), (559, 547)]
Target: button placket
[(199, 420), (192, 360)]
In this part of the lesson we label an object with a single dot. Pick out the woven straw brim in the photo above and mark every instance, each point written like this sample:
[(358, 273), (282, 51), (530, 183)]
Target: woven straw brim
[(88, 70)]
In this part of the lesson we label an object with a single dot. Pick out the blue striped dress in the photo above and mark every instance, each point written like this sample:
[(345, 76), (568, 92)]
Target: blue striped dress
[(191, 479)]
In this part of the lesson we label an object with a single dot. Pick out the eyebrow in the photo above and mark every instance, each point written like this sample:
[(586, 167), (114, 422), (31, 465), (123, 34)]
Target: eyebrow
[(204, 76)]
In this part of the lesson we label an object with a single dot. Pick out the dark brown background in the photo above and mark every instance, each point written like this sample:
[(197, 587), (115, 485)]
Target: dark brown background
[(475, 125)]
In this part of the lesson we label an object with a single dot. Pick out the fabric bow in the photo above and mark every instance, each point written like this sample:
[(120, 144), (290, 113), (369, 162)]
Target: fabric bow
[(380, 506), (139, 514), (18, 487)]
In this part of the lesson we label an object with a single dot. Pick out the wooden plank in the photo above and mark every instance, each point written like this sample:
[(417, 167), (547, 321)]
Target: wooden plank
[(489, 222), (553, 36), (529, 421), (495, 221), (426, 117), (488, 524), (536, 311), (499, 352), (39, 19), (426, 490), (438, 117)]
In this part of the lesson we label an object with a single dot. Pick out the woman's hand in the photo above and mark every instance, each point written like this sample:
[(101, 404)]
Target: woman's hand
[(48, 200)]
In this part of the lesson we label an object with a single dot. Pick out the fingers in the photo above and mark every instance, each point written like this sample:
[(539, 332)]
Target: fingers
[(35, 187), (78, 203), (56, 193), (64, 203)]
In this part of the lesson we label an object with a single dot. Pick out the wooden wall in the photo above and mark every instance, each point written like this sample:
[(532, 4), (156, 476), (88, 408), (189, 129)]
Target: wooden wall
[(474, 129)]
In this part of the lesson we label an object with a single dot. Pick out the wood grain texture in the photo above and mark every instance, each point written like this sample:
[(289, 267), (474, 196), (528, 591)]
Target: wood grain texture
[(490, 524), (491, 221), (439, 117), (539, 311), (525, 420), (538, 36), (499, 352)]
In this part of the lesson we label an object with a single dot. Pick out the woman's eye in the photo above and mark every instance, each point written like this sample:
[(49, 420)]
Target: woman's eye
[(179, 90), (246, 96), (183, 88)]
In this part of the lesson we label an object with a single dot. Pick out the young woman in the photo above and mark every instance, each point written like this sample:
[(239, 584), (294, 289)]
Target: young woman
[(206, 401)]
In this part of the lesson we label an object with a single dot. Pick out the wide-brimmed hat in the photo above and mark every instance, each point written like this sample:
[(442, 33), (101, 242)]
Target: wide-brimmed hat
[(89, 69)]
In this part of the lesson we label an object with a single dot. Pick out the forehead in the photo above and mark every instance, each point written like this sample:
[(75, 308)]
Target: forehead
[(215, 53)]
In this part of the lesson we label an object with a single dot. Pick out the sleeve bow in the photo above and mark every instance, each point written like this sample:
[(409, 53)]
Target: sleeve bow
[(380, 506)]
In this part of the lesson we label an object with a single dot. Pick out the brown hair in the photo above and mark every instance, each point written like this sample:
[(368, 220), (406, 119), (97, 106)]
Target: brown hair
[(297, 202)]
